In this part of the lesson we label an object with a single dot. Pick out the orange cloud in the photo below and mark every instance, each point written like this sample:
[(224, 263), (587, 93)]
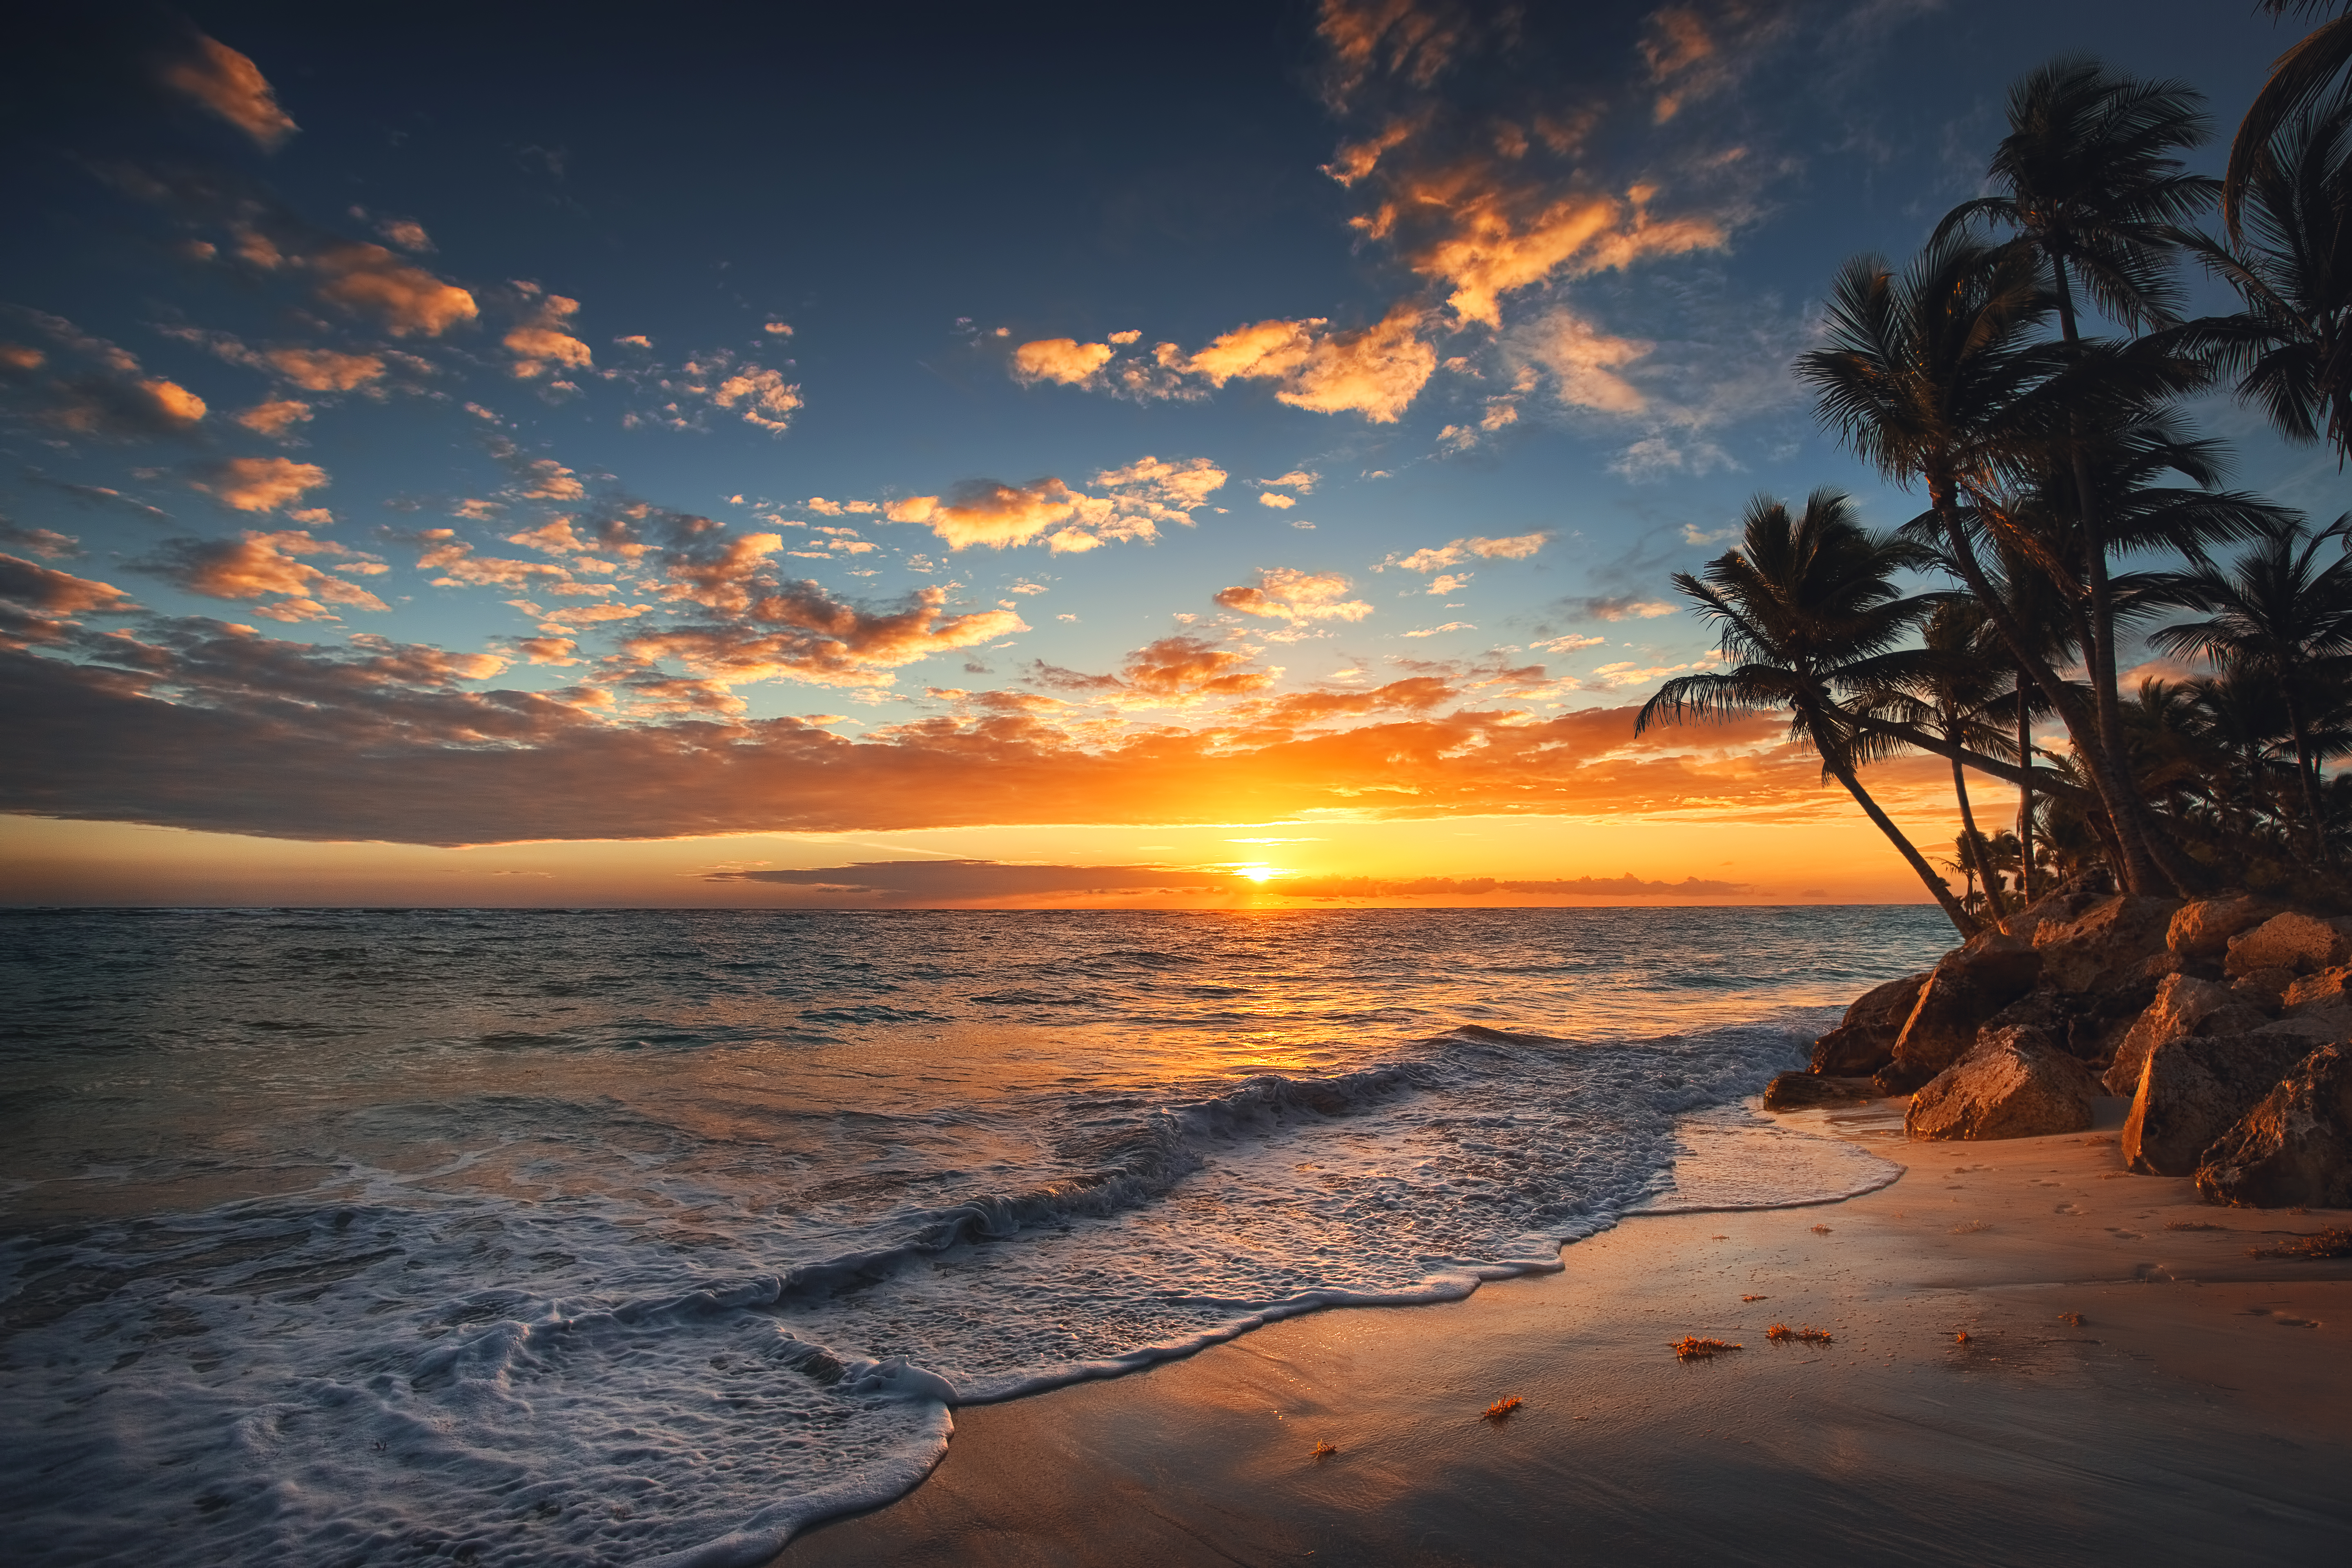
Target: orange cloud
[(1584, 361), (1517, 547), (231, 86), (1285, 593), (369, 281), (542, 339), (274, 417), (54, 592), (1376, 370), (125, 406), (459, 567), (260, 565), (1412, 40), (803, 634), (258, 484), (1063, 360), (324, 370)]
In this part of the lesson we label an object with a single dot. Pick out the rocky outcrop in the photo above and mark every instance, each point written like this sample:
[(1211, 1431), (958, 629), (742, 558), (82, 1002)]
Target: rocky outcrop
[(2328, 989), (2110, 944), (1865, 1040), (2056, 906), (2183, 1005), (2200, 931), (1973, 983), (2295, 1146), (2193, 1087), (2264, 988), (2015, 1083), (2297, 943), (1804, 1090)]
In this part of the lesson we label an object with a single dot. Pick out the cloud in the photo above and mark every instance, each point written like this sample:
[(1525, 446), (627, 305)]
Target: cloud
[(1175, 671), (52, 592), (1283, 593), (1137, 499), (543, 341), (43, 542), (260, 565), (756, 394), (369, 281), (444, 552), (1582, 360), (928, 881), (1626, 886), (797, 631), (1569, 644), (1448, 627), (1618, 607), (1376, 370), (1063, 360), (274, 417), (1412, 39), (1280, 502), (194, 724), (1303, 481), (220, 79), (257, 484), (124, 406), (1516, 547)]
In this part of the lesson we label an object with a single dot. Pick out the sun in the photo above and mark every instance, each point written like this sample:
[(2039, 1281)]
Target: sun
[(1258, 873)]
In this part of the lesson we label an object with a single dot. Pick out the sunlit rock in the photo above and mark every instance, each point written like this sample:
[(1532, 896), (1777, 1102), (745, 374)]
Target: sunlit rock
[(2294, 942), (2015, 1083), (1970, 984), (2193, 1087), (2294, 1146), (2107, 946), (2200, 931), (2183, 1005), (1865, 1040), (1803, 1090)]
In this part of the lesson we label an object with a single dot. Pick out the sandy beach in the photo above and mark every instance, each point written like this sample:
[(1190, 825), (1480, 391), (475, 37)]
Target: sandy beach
[(2200, 1410)]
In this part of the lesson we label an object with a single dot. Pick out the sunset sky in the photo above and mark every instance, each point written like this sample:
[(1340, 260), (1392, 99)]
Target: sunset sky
[(721, 455)]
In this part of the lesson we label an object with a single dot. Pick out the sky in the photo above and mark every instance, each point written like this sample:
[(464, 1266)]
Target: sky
[(1206, 457)]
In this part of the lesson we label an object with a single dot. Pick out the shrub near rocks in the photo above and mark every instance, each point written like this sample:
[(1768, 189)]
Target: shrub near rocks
[(2295, 1146), (2014, 1083)]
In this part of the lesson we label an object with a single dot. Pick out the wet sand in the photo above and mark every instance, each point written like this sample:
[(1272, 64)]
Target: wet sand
[(2200, 1411)]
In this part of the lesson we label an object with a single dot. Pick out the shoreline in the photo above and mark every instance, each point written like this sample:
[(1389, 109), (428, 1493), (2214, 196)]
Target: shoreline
[(2201, 1409)]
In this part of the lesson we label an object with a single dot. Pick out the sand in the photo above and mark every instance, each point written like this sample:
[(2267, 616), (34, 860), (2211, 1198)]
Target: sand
[(2200, 1411)]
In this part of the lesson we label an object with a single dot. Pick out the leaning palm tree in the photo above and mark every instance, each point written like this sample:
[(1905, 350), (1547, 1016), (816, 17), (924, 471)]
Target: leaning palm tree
[(1967, 678), (1810, 619), (2278, 616), (2291, 347), (2298, 82), (1932, 376), (2090, 180)]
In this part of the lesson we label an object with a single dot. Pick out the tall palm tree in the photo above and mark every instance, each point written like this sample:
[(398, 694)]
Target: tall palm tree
[(2279, 616), (1929, 375), (1965, 677), (2291, 347), (2298, 81), (1811, 618), (2090, 180)]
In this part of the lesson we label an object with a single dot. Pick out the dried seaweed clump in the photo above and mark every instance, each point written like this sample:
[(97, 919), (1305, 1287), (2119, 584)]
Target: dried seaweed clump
[(1502, 1408), (1781, 1331), (2072, 1320), (1324, 1450), (1756, 1298), (2333, 1243), (1690, 1347)]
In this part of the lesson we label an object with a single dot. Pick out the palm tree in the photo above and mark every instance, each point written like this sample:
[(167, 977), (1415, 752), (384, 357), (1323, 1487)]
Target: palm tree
[(1928, 377), (2292, 345), (2279, 616), (1964, 673), (1811, 618), (2090, 180), (2298, 79)]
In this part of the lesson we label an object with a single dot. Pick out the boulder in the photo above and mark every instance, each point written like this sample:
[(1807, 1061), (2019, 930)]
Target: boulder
[(2264, 988), (1803, 1090), (2320, 992), (2200, 931), (2016, 1083), (1864, 1040), (2295, 1146), (2314, 1026), (1970, 984), (2108, 944), (2183, 1005), (2192, 1089), (2058, 906), (2293, 940)]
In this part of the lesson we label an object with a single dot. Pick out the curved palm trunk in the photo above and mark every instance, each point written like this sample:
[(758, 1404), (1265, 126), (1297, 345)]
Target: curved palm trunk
[(1961, 920), (2024, 797), (1977, 856)]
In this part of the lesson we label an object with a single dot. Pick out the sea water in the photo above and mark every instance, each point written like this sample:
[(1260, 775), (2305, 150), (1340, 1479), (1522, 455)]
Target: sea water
[(614, 1236)]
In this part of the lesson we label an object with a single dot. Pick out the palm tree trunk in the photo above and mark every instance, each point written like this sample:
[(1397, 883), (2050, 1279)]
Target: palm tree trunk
[(1977, 856), (1961, 920), (2135, 865), (2024, 797), (2306, 774)]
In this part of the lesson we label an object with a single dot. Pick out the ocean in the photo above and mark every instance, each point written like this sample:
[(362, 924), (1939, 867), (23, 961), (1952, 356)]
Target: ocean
[(339, 1236)]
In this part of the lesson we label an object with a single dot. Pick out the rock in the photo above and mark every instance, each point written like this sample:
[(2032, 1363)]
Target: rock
[(2058, 906), (2108, 944), (2016, 1083), (2314, 1026), (2264, 988), (2293, 940), (2295, 1146), (2200, 931), (1803, 1090), (2183, 1005), (2325, 989), (1968, 986), (2193, 1087), (1864, 1040)]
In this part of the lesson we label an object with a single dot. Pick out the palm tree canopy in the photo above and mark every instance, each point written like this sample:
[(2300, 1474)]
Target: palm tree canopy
[(2089, 177), (2277, 612), (2298, 79)]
